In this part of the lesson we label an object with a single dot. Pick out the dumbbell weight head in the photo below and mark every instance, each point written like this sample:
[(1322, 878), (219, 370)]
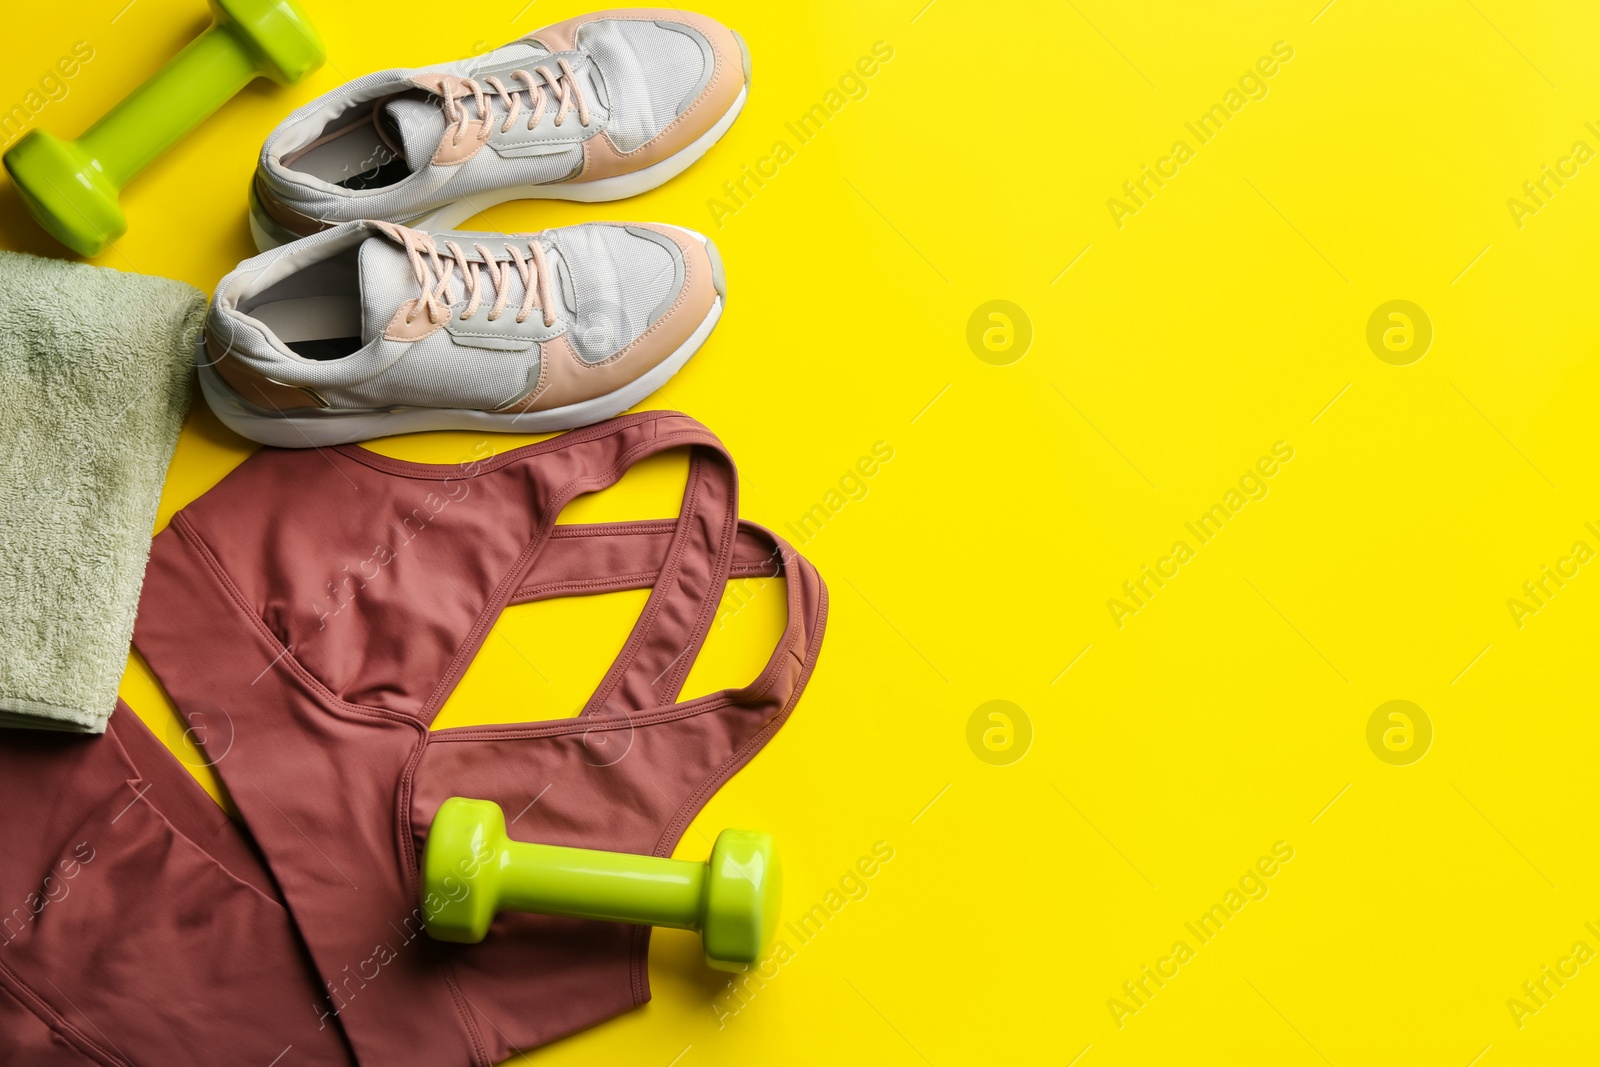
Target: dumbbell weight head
[(461, 870), (66, 192), (71, 187), (743, 891), (277, 32)]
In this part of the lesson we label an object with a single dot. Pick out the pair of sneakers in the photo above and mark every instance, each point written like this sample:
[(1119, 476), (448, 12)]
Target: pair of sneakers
[(366, 315)]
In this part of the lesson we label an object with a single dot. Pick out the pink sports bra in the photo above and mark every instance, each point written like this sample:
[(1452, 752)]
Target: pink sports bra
[(327, 602)]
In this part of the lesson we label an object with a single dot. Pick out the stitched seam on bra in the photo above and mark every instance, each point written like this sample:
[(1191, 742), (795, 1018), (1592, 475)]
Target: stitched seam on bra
[(562, 727), (576, 584), (638, 955), (14, 987), (623, 582), (641, 527), (702, 621), (501, 594)]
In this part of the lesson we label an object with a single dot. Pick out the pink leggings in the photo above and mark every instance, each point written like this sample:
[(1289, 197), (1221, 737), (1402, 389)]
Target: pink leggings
[(120, 879)]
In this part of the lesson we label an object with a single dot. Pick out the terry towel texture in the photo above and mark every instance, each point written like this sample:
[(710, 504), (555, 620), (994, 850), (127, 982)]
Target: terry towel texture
[(95, 368)]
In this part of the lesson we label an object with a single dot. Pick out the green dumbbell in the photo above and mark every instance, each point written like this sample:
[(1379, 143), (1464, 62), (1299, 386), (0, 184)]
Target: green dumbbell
[(471, 871), (71, 187)]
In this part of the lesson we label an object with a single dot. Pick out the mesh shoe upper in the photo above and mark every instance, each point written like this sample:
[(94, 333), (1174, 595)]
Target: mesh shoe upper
[(398, 144), (653, 71)]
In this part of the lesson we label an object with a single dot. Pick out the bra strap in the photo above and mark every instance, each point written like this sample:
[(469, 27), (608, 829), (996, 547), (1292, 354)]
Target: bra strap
[(650, 670)]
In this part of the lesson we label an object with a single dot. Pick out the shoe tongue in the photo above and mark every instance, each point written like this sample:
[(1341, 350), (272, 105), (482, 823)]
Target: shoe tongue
[(387, 282), (420, 124)]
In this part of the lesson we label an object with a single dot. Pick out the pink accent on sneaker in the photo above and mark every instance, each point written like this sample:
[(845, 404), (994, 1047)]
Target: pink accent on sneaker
[(601, 157), (566, 379)]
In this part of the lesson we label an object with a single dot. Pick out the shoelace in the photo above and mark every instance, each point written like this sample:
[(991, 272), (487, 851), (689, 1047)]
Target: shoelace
[(438, 293), (565, 86)]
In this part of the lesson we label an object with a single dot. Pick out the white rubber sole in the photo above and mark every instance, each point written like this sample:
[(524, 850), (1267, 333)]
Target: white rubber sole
[(616, 187), (339, 428)]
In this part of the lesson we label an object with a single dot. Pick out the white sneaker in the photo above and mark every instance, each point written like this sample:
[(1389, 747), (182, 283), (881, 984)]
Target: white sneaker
[(371, 328), (599, 107)]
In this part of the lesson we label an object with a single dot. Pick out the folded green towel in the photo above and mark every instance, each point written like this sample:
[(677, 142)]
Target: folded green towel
[(95, 378)]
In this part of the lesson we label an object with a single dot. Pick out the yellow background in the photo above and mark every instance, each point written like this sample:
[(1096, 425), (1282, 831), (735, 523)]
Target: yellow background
[(1229, 313)]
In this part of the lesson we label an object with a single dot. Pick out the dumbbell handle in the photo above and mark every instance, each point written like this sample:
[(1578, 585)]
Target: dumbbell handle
[(471, 872), (171, 103), (588, 884)]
